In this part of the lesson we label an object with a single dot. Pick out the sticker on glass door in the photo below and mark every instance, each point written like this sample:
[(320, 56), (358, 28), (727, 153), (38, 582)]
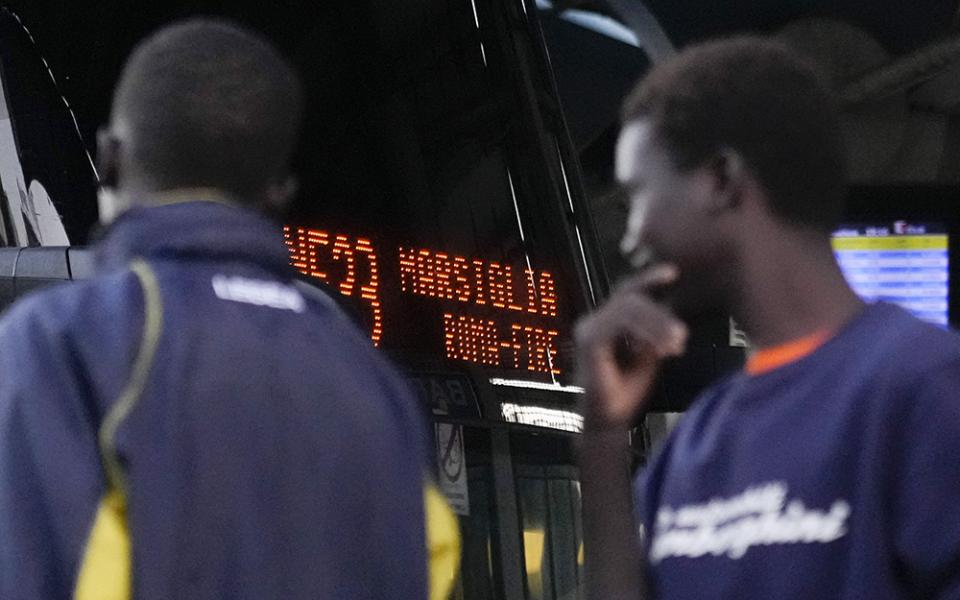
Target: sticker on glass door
[(452, 467)]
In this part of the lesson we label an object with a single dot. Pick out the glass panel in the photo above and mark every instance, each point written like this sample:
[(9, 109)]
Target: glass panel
[(578, 528), (479, 575), (46, 177), (536, 547), (563, 539), (549, 502), (476, 575), (434, 189)]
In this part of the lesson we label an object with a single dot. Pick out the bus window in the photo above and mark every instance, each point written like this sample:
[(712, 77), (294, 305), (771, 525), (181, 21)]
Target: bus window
[(47, 179)]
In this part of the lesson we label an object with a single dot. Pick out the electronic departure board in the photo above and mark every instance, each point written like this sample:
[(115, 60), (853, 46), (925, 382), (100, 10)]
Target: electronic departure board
[(468, 309), (440, 204), (900, 262)]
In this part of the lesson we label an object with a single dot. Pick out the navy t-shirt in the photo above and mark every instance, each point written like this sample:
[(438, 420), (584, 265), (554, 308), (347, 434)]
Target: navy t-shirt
[(835, 476)]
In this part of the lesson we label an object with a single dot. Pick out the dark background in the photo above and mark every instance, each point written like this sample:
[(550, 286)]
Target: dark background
[(85, 43)]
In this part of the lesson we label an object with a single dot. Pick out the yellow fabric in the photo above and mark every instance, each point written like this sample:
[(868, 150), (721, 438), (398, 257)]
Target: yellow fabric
[(105, 570), (443, 543)]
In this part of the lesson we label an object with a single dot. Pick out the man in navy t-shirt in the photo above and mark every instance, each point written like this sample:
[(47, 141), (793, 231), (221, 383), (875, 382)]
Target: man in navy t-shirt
[(830, 466)]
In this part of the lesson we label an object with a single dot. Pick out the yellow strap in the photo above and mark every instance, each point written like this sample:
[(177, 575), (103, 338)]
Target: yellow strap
[(443, 543), (106, 567), (191, 194), (105, 572), (152, 327)]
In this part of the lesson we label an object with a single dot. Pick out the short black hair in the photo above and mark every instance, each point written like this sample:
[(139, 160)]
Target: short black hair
[(210, 104), (755, 96)]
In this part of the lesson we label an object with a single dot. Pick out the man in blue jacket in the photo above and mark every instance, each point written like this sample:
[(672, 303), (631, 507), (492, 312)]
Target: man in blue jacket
[(190, 423), (828, 467)]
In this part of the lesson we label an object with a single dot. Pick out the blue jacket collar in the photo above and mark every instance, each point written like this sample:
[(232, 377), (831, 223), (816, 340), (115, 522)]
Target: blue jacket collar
[(202, 229)]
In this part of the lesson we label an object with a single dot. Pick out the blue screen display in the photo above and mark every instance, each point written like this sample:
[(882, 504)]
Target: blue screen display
[(900, 262)]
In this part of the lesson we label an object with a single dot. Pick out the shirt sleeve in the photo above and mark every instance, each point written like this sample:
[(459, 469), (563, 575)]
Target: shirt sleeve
[(926, 521), (50, 472)]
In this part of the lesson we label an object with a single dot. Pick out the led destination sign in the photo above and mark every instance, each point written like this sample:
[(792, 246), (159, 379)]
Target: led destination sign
[(464, 308)]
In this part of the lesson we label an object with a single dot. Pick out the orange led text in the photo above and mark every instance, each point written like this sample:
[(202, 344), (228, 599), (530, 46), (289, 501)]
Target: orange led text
[(449, 277), (482, 341), (339, 261)]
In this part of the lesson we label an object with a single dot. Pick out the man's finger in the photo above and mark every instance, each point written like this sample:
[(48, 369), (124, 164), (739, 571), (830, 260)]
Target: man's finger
[(651, 278), (604, 364), (647, 324)]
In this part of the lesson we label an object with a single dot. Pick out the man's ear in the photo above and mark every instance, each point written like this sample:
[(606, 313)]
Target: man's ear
[(280, 194), (729, 172), (108, 159)]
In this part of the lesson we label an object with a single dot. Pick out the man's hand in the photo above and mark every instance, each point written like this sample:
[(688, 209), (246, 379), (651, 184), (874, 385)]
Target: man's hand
[(621, 346)]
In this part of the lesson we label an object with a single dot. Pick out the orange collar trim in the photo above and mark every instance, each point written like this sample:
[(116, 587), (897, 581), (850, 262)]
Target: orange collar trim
[(765, 360)]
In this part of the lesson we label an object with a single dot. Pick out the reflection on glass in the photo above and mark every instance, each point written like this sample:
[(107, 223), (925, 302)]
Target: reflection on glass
[(533, 514), (479, 579), (28, 216), (430, 163), (563, 539), (476, 575), (549, 499), (578, 528), (533, 561)]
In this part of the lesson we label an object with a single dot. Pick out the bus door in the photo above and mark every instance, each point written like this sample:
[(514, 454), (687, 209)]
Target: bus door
[(548, 497)]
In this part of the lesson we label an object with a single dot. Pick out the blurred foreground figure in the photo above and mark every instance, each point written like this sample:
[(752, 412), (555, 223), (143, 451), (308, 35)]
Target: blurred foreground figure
[(190, 423), (829, 467)]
